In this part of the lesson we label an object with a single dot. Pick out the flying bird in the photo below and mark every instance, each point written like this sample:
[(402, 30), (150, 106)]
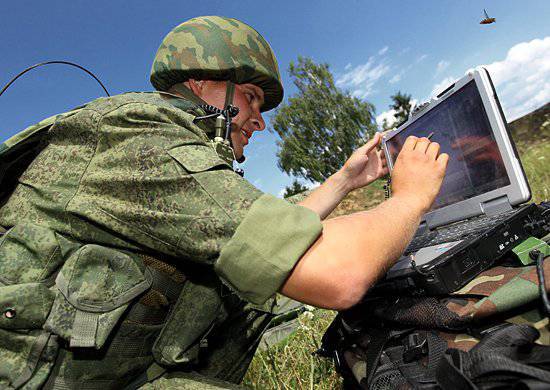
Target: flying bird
[(487, 19)]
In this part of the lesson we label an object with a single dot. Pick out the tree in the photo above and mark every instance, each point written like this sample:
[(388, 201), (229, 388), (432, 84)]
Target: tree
[(402, 107), (295, 188), (321, 125)]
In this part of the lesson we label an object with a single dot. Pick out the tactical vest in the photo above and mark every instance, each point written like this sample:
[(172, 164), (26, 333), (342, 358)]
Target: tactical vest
[(492, 333), (78, 315)]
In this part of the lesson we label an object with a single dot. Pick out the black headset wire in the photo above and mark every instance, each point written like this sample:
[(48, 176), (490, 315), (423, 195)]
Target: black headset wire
[(54, 62)]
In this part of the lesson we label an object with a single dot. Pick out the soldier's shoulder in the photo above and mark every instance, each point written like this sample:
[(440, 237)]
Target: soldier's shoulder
[(148, 100)]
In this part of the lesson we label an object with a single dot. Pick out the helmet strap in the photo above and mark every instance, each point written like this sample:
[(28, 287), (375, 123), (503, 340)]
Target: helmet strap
[(228, 104), (229, 93)]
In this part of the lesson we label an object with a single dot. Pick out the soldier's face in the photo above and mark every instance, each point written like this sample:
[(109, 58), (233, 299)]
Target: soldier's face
[(249, 98)]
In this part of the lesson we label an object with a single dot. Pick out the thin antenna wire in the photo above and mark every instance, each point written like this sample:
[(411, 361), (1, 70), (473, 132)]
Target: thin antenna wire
[(54, 62)]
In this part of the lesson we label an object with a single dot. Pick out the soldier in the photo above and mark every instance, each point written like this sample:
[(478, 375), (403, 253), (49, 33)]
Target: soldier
[(133, 253)]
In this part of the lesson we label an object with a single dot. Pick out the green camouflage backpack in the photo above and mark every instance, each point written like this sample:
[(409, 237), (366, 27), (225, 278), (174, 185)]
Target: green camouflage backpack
[(492, 333)]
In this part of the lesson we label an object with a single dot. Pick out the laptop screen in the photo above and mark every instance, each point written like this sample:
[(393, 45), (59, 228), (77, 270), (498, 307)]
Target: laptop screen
[(460, 125)]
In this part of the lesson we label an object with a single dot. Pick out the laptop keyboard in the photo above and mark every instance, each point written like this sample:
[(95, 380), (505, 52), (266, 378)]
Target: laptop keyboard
[(454, 232)]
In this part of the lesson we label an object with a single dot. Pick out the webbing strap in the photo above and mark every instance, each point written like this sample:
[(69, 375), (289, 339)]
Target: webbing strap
[(84, 329), (508, 337), (497, 356), (436, 350), (480, 364), (449, 376), (229, 93), (375, 348)]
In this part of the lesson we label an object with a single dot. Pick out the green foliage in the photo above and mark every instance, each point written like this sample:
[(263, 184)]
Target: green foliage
[(295, 188), (321, 125), (402, 107), (291, 364), (535, 160)]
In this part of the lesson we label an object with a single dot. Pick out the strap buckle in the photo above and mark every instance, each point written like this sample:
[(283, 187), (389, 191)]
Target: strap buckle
[(416, 346)]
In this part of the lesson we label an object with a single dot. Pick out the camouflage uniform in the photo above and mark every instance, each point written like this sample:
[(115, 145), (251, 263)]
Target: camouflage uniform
[(132, 247)]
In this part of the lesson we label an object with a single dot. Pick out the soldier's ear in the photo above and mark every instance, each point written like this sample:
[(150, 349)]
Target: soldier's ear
[(196, 86)]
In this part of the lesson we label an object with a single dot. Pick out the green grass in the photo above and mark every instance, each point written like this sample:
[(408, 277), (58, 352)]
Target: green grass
[(290, 364), (536, 163)]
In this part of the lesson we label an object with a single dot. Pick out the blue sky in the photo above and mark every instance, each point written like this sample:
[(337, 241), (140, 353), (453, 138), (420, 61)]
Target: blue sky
[(374, 49)]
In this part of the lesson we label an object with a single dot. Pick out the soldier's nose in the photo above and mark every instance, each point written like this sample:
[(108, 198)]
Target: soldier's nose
[(258, 122)]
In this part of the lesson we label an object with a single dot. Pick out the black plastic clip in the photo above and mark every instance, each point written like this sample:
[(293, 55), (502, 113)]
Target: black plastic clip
[(417, 346)]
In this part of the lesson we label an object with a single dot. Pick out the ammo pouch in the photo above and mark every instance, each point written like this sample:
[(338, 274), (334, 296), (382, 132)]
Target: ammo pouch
[(27, 352), (492, 333), (194, 315), (102, 305), (57, 292), (94, 288)]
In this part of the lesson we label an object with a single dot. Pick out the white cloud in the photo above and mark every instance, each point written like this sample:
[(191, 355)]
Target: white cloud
[(383, 50), (437, 88), (361, 78), (396, 78), (306, 183), (421, 58), (522, 79), (389, 115), (347, 66), (441, 66)]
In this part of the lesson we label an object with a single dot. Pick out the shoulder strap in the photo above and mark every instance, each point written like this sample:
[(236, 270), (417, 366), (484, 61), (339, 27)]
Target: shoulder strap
[(504, 357)]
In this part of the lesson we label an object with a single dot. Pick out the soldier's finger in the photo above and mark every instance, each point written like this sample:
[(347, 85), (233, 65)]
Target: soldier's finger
[(443, 160), (433, 150), (370, 145), (422, 144), (410, 143)]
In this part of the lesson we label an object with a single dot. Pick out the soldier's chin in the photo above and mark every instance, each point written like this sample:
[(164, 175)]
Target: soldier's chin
[(238, 151), (238, 148)]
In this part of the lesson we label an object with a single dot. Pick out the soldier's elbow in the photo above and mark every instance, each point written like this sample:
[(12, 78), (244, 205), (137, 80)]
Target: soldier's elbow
[(349, 294)]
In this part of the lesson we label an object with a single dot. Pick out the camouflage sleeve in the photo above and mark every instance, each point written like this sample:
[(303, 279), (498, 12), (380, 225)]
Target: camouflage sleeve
[(269, 241), (155, 180)]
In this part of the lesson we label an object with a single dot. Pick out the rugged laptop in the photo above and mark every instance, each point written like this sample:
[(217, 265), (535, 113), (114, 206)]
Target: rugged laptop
[(477, 215)]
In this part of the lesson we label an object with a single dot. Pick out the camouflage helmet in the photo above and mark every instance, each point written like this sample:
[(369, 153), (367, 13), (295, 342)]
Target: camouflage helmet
[(218, 48)]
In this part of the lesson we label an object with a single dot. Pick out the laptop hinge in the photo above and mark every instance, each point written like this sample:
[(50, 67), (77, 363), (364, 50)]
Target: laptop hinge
[(496, 206), (422, 228)]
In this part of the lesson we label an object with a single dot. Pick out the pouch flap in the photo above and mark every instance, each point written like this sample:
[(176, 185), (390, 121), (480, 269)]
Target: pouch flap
[(100, 279), (95, 286), (197, 158), (24, 306)]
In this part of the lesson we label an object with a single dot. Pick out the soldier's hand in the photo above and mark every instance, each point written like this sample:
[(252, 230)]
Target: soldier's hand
[(418, 173), (365, 165)]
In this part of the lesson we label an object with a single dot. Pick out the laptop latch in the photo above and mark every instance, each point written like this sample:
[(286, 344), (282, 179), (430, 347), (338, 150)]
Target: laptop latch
[(496, 206)]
